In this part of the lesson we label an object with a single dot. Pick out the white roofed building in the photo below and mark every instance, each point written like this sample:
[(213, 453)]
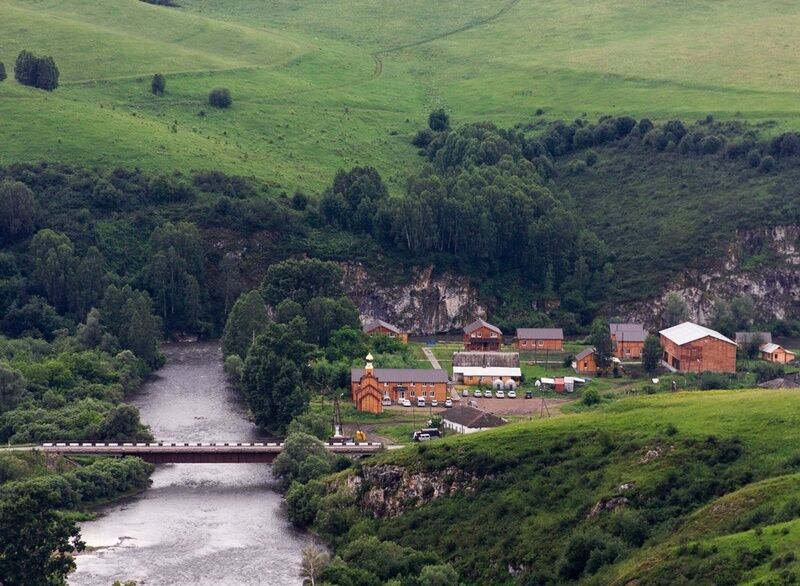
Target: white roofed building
[(690, 347)]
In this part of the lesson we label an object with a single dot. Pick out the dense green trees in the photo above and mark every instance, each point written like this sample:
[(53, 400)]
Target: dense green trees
[(301, 280), (247, 320), (38, 72), (158, 84), (274, 374), (675, 311), (352, 201), (18, 211), (12, 385), (651, 354), (600, 339), (728, 317)]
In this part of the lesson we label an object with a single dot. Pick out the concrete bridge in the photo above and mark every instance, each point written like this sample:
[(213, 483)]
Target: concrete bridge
[(194, 453)]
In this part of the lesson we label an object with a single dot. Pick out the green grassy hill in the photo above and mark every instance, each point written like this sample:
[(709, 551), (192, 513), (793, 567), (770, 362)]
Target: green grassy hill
[(689, 488), (321, 86)]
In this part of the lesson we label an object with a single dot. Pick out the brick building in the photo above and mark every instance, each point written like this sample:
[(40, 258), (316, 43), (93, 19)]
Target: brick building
[(369, 386), (540, 339), (380, 327), (628, 340), (480, 336), (689, 347)]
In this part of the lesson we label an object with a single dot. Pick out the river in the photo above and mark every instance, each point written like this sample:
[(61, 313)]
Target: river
[(199, 524)]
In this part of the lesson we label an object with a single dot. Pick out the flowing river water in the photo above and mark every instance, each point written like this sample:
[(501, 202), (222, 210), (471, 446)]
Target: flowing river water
[(198, 524)]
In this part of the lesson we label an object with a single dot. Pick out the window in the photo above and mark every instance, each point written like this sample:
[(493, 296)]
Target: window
[(541, 343), (494, 335), (413, 394), (412, 384), (385, 384), (524, 342), (627, 351)]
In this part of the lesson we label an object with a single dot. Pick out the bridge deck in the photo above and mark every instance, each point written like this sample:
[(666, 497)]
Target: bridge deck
[(196, 453)]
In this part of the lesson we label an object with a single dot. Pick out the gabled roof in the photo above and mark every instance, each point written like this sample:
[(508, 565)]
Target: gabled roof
[(584, 353), (377, 323), (540, 333), (770, 348), (403, 375), (747, 337), (479, 323), (499, 371), (472, 418), (690, 332), (628, 332)]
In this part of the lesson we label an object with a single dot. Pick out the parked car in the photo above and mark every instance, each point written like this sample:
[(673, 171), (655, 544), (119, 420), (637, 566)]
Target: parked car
[(465, 393), (487, 393), (500, 394), (478, 393), (423, 437), (448, 403), (405, 402), (512, 394), (529, 394), (386, 401), (420, 401), (434, 403)]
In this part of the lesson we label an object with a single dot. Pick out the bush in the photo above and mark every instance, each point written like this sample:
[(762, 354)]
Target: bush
[(767, 164), (38, 72), (591, 159), (438, 120), (590, 397), (2, 71), (754, 158), (220, 98), (158, 85), (714, 380), (423, 138)]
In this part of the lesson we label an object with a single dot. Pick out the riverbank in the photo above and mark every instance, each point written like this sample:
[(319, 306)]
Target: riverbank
[(197, 523)]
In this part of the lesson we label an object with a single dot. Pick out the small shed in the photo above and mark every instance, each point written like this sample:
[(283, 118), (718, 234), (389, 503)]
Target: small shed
[(585, 361), (777, 354)]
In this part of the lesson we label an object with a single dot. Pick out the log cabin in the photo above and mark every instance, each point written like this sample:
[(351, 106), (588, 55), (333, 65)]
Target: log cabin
[(536, 339), (382, 328), (776, 353)]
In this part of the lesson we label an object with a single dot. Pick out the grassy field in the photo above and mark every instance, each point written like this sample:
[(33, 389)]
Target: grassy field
[(709, 479), (322, 86)]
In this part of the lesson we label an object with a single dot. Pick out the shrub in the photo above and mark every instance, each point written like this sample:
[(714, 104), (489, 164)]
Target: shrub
[(591, 159), (754, 158), (158, 85), (767, 164), (590, 397), (38, 72), (714, 380), (2, 71), (576, 167), (438, 120), (423, 138), (220, 98), (710, 145), (583, 138)]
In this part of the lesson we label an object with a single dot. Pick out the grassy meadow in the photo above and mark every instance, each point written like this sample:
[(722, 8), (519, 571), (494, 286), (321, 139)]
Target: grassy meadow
[(322, 86)]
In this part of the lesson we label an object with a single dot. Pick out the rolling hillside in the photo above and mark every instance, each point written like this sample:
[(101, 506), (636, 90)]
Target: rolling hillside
[(689, 488), (322, 86)]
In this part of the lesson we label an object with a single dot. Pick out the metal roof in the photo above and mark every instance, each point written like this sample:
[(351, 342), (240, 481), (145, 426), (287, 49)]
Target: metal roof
[(376, 323), (616, 327), (498, 371), (540, 333), (403, 375), (690, 332), (770, 348), (747, 337), (479, 323), (584, 353), (472, 418)]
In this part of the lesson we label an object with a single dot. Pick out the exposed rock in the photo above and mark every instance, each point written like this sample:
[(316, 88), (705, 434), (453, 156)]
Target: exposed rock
[(651, 454), (422, 303), (606, 506), (387, 491), (762, 262)]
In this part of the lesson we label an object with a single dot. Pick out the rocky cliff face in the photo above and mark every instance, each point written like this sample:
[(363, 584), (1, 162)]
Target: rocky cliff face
[(423, 303), (388, 491), (763, 263)]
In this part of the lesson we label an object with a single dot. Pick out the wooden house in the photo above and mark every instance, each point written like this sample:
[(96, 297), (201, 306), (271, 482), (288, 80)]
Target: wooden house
[(370, 387), (382, 328), (480, 336), (628, 340), (689, 347), (776, 353), (586, 362), (540, 339)]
